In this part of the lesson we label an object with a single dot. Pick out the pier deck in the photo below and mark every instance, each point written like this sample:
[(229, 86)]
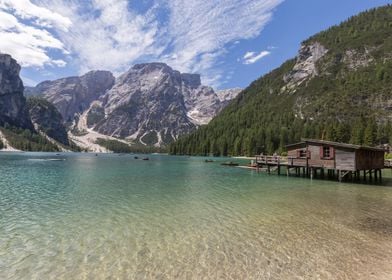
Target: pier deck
[(303, 167)]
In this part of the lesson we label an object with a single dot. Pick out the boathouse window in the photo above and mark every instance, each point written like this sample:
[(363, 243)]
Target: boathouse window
[(303, 153), (327, 152)]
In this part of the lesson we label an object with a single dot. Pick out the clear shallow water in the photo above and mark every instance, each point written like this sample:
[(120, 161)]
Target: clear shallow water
[(114, 217)]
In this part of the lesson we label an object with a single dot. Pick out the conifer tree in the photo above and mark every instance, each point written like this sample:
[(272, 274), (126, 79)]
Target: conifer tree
[(370, 133), (357, 133)]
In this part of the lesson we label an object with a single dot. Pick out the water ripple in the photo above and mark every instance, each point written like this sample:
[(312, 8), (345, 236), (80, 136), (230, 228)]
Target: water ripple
[(111, 217)]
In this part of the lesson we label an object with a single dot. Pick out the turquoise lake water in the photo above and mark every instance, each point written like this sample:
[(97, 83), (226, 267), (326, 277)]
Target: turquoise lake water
[(115, 217)]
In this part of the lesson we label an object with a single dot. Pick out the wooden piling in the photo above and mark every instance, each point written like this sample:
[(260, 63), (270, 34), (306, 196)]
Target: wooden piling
[(370, 175), (315, 170)]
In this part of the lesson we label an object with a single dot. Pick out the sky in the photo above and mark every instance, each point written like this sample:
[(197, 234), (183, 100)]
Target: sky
[(230, 43)]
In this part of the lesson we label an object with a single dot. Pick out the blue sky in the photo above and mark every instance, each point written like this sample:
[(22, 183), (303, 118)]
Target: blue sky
[(229, 42)]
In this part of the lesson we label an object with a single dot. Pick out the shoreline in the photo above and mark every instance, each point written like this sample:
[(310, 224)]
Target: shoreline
[(244, 157)]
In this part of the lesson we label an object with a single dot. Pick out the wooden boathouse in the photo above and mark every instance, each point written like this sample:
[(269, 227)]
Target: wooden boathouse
[(325, 158)]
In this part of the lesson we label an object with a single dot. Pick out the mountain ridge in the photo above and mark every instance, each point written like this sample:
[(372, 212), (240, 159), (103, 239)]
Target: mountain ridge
[(150, 104), (337, 88)]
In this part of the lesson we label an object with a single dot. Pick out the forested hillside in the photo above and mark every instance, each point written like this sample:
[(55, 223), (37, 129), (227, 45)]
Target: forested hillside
[(338, 88)]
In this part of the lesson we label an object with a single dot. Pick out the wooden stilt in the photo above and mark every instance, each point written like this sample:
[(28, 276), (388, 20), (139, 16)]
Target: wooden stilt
[(312, 170)]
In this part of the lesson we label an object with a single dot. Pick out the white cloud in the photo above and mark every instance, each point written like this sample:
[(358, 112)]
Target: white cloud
[(27, 44), (204, 27), (249, 55), (253, 57), (59, 63), (193, 36), (110, 36), (41, 16)]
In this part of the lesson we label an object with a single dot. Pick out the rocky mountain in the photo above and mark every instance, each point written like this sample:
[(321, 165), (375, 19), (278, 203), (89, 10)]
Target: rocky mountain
[(73, 95), (146, 104), (151, 104), (338, 88), (227, 95), (13, 110), (29, 126), (154, 104), (47, 119)]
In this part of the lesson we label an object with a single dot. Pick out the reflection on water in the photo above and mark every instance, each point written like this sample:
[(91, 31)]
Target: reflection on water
[(180, 218)]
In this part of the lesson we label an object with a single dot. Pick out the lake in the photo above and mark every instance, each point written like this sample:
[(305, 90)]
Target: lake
[(83, 216)]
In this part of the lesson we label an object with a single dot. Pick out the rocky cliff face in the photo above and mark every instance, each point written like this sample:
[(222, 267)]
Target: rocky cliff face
[(12, 102), (151, 103), (227, 95), (74, 95), (47, 119), (306, 66)]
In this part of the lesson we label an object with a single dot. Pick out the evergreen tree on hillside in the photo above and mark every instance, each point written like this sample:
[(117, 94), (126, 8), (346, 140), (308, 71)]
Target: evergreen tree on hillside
[(346, 101), (370, 133)]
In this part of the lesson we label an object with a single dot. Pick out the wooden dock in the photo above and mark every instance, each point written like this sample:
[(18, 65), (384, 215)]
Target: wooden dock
[(325, 159), (292, 167)]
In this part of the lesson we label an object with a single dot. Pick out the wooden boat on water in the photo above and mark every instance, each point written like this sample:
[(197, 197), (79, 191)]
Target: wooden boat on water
[(208, 160), (230, 163)]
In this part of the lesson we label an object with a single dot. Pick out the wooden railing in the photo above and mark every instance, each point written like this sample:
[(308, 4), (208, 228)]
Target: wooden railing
[(278, 160), (273, 160)]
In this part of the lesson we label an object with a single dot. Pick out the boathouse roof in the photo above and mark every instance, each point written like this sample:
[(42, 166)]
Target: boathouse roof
[(305, 141)]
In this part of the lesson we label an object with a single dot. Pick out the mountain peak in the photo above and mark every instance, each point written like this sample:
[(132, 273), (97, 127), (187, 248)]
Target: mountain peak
[(191, 80), (97, 73), (151, 103), (152, 66)]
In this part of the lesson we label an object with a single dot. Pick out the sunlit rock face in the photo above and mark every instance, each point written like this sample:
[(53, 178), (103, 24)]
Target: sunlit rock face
[(154, 104), (13, 108), (73, 95), (151, 104)]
